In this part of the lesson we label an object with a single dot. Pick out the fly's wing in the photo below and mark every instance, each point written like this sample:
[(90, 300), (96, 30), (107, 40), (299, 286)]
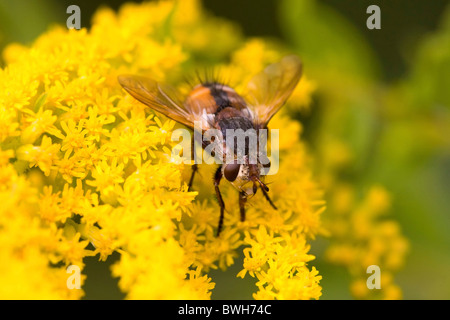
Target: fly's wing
[(162, 99), (268, 91)]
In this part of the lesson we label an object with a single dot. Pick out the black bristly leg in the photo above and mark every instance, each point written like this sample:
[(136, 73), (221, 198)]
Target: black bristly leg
[(242, 202), (217, 178), (191, 180), (194, 166), (266, 195)]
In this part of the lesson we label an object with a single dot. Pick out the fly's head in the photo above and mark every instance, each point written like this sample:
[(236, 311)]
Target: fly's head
[(245, 176)]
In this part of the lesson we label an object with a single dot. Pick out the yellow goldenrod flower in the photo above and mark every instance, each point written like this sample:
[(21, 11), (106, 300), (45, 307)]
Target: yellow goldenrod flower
[(364, 237), (103, 181), (43, 156)]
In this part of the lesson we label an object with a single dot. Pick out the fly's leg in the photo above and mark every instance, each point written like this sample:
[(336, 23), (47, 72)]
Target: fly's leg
[(266, 195), (217, 178), (194, 166), (242, 202), (191, 180)]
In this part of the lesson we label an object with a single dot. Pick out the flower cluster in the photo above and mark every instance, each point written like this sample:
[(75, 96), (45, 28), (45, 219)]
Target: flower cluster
[(365, 237), (86, 170), (31, 246)]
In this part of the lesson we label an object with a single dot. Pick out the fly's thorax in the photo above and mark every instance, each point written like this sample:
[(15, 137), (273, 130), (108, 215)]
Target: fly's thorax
[(240, 138)]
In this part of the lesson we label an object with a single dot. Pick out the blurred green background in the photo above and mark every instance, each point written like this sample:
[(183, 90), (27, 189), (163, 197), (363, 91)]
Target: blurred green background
[(403, 21), (399, 74)]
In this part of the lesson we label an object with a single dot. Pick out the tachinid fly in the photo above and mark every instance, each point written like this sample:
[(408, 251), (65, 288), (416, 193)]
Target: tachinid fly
[(218, 106)]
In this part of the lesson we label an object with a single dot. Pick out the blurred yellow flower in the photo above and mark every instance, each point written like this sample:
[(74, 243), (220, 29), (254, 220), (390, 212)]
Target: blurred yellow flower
[(365, 237)]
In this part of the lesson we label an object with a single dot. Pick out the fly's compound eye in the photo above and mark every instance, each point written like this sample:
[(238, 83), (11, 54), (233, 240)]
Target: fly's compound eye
[(231, 171)]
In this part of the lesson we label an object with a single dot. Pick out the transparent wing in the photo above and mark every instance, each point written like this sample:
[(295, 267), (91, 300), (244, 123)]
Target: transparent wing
[(165, 100), (268, 91)]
